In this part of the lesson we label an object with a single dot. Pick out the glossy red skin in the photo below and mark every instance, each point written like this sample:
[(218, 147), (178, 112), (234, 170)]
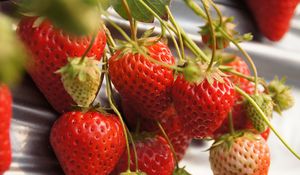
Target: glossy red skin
[(170, 122), (87, 143), (239, 115), (142, 82), (5, 117), (202, 107), (273, 16), (154, 157), (50, 48)]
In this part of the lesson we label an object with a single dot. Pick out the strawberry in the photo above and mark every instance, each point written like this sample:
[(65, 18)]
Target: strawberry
[(154, 157), (273, 16), (247, 154), (142, 82), (50, 49), (170, 122), (87, 143), (5, 117), (203, 106), (81, 79), (239, 117)]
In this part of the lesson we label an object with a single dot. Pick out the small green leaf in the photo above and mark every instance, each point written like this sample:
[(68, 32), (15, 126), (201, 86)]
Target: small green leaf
[(139, 12)]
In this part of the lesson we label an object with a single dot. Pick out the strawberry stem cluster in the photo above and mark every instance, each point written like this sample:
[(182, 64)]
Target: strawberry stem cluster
[(203, 90)]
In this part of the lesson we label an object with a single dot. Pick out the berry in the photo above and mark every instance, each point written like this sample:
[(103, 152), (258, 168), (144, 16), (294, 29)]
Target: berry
[(273, 16), (142, 82), (202, 106), (50, 49), (87, 143), (154, 157), (248, 155), (5, 117)]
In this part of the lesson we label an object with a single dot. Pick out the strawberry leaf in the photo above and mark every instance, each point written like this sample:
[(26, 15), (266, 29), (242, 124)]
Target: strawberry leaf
[(139, 12)]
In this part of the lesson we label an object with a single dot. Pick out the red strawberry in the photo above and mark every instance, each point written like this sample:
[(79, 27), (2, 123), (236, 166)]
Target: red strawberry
[(248, 155), (202, 106), (87, 143), (142, 82), (50, 48), (273, 16), (239, 116), (5, 117), (154, 157), (170, 122)]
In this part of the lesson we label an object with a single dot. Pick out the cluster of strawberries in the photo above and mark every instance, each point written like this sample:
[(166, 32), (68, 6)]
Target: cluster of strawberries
[(165, 104)]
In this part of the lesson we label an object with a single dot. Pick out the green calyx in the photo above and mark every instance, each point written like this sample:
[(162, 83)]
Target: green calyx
[(12, 53), (228, 139), (81, 79), (264, 101), (133, 173), (194, 72), (181, 171), (281, 95)]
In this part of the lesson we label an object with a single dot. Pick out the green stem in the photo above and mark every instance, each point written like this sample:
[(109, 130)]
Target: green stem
[(184, 35), (218, 12), (136, 46), (134, 150), (265, 118), (90, 46), (213, 34), (234, 72), (169, 142), (198, 11), (114, 108), (172, 19), (231, 125), (131, 20), (110, 41)]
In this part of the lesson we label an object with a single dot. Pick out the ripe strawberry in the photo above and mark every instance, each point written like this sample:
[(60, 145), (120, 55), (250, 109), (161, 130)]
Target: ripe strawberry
[(5, 117), (50, 49), (248, 155), (266, 134), (202, 106), (170, 122), (154, 157), (87, 143), (239, 114), (273, 16), (142, 82)]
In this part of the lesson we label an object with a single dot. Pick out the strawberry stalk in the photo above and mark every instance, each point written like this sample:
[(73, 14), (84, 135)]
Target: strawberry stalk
[(114, 108), (189, 42), (177, 171), (266, 120), (213, 34), (132, 22), (137, 47), (198, 11), (172, 20), (231, 127), (169, 142)]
